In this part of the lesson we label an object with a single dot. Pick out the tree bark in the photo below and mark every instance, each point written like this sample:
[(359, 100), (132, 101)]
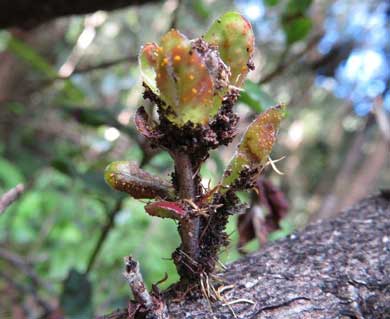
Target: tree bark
[(338, 268), (30, 13)]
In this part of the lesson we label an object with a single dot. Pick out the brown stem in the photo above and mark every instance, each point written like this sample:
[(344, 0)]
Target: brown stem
[(189, 227)]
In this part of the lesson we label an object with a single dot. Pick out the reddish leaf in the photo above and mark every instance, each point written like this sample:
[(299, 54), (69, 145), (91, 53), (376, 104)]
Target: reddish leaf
[(166, 209)]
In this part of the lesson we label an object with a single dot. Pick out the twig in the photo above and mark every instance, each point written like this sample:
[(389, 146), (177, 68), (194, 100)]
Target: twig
[(175, 15), (11, 196), (23, 266), (136, 282), (100, 66), (153, 304), (104, 233), (284, 64), (24, 289)]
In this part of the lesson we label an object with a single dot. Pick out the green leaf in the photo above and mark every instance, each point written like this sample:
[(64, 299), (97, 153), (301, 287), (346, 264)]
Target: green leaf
[(271, 3), (296, 29), (10, 175), (256, 98), (28, 54), (178, 74), (295, 7), (233, 35), (201, 8), (184, 81)]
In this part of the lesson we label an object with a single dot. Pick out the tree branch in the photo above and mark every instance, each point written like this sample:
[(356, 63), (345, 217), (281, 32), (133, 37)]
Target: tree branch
[(104, 233), (24, 267), (99, 66), (284, 63), (332, 269), (11, 196), (30, 13)]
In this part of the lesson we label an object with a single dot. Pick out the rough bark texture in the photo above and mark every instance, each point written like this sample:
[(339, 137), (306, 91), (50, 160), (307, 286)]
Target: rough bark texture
[(30, 13), (332, 269)]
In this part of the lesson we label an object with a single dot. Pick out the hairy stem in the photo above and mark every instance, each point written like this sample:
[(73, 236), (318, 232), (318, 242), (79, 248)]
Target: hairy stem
[(189, 227)]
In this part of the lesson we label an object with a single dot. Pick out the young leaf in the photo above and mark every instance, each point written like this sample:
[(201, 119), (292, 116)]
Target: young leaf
[(184, 81), (166, 209), (148, 60), (178, 74), (296, 29), (128, 177), (233, 35), (255, 147)]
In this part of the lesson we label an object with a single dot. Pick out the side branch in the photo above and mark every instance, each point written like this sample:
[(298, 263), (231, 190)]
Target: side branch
[(30, 13)]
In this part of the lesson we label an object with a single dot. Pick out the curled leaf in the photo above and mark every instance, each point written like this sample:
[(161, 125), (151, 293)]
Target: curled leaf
[(233, 35), (143, 126), (166, 209), (254, 149), (128, 177)]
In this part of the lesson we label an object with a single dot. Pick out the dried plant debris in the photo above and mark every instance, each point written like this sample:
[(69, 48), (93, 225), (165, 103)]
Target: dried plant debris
[(269, 207)]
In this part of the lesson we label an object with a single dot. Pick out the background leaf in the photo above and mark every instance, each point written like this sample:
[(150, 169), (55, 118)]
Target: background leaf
[(297, 29), (255, 97)]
